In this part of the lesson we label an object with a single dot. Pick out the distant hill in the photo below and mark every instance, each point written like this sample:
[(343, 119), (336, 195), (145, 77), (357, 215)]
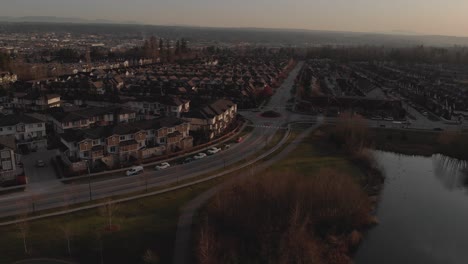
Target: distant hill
[(52, 19), (277, 37)]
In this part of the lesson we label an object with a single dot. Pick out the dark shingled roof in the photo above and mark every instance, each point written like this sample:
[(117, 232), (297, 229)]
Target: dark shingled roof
[(88, 113), (120, 129), (211, 110), (11, 120)]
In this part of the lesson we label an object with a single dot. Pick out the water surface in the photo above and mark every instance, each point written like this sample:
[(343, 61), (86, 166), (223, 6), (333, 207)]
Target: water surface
[(423, 212)]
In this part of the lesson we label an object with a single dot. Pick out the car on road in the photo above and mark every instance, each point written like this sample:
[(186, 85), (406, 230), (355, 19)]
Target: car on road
[(239, 139), (200, 155), (213, 150), (226, 146), (40, 164), (162, 166), (134, 170)]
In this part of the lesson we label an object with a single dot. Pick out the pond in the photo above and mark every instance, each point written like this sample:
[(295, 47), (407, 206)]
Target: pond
[(423, 212)]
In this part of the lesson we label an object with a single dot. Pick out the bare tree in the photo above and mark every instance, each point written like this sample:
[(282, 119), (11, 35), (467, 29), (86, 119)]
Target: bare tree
[(144, 178), (150, 257), (67, 231), (23, 228), (34, 199), (206, 248), (109, 210)]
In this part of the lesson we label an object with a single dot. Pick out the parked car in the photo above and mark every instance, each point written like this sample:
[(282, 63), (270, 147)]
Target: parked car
[(188, 160), (240, 139), (200, 155), (135, 170), (226, 146), (213, 150), (162, 166), (40, 163)]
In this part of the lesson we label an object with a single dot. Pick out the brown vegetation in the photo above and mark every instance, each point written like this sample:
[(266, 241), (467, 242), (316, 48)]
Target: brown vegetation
[(285, 219)]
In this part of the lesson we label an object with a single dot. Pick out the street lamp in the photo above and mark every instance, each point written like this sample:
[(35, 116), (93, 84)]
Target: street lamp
[(89, 181)]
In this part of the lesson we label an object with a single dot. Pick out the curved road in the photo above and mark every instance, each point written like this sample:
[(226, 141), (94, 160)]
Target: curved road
[(53, 195)]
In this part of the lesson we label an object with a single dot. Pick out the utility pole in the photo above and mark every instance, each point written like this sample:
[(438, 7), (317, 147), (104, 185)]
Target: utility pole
[(89, 181)]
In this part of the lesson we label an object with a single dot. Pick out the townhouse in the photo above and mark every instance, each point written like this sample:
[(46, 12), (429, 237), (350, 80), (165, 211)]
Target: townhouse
[(160, 106), (213, 119), (9, 168), (35, 101), (29, 132), (88, 117), (119, 143)]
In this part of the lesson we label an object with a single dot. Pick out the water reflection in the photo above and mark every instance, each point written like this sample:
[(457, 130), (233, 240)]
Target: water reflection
[(423, 212), (451, 172)]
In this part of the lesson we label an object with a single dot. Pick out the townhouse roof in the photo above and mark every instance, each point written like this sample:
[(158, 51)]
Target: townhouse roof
[(11, 120), (211, 110), (120, 129), (88, 113)]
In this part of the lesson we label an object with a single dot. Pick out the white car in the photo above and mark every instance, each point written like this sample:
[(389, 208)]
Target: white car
[(213, 150), (135, 170), (200, 155), (162, 166)]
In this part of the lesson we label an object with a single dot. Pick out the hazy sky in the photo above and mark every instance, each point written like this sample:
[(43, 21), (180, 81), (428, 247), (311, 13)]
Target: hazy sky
[(443, 17)]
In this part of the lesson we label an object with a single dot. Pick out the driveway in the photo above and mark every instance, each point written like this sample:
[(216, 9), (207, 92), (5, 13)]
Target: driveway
[(37, 175)]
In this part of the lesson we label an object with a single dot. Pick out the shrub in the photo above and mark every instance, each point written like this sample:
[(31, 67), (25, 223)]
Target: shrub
[(281, 218)]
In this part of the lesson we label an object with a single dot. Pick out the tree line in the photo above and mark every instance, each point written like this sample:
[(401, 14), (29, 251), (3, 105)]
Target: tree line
[(415, 54)]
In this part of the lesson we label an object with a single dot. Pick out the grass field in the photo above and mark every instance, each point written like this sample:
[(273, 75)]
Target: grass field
[(148, 223), (314, 154)]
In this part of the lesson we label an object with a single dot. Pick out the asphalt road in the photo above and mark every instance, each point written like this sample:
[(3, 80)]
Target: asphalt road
[(52, 195)]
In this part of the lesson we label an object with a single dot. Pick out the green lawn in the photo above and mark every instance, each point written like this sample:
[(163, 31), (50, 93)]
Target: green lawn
[(314, 154), (148, 223)]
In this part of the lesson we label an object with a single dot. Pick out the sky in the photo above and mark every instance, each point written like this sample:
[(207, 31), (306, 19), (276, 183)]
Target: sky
[(435, 17)]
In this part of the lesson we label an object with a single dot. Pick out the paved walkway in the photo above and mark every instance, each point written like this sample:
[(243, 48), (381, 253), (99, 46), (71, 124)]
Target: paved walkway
[(184, 228)]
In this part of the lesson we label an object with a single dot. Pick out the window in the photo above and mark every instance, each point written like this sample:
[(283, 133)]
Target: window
[(122, 137), (10, 128), (83, 122), (132, 136), (1, 129), (95, 142), (112, 150), (39, 125), (39, 133)]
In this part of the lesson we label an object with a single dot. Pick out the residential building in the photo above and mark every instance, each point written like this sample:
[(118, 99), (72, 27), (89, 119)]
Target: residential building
[(89, 117), (7, 77), (213, 119), (9, 168), (162, 106), (122, 142), (29, 132), (35, 102)]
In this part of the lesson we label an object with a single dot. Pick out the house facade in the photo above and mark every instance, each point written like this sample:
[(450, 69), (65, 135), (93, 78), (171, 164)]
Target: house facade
[(29, 132), (122, 142), (213, 119), (164, 106), (35, 102)]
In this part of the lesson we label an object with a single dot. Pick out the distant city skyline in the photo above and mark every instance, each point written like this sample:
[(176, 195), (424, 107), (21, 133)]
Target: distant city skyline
[(429, 17)]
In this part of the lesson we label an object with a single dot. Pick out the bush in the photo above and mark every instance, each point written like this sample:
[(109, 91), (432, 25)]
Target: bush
[(281, 218)]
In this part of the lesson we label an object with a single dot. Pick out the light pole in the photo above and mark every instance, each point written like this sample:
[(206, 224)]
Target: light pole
[(89, 181)]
